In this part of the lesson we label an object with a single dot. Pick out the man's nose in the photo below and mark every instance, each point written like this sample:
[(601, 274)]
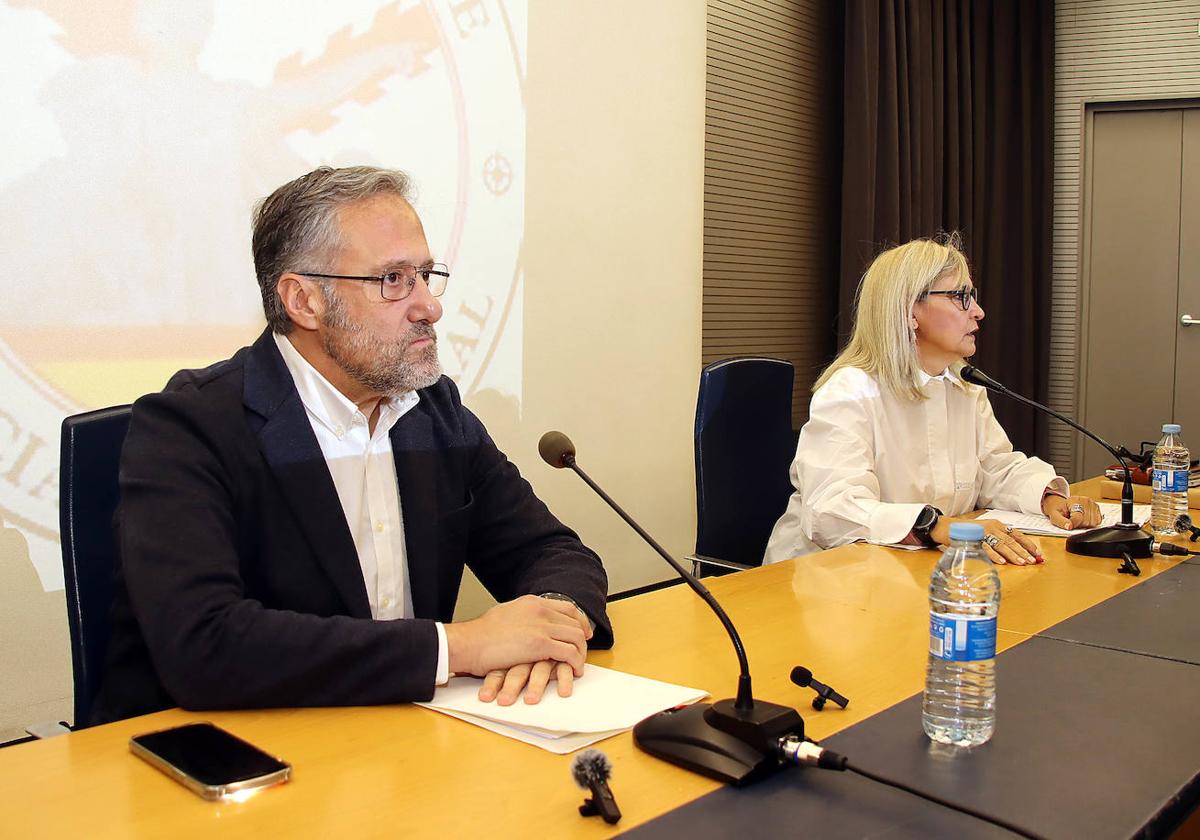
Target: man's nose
[(423, 306)]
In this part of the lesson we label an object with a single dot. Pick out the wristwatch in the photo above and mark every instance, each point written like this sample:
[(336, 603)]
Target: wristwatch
[(558, 596), (927, 520)]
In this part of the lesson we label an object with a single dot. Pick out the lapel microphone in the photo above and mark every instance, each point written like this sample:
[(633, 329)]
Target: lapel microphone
[(803, 677), (591, 770)]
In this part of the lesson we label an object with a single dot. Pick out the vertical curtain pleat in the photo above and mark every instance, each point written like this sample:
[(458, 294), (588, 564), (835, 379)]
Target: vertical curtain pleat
[(948, 126)]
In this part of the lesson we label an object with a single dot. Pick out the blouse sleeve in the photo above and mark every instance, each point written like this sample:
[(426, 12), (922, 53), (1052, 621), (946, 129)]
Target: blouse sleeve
[(837, 491)]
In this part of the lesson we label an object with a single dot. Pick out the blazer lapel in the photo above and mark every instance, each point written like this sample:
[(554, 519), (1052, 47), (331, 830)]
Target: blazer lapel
[(412, 445), (291, 450)]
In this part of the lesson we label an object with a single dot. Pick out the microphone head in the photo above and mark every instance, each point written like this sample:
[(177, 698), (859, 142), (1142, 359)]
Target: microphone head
[(801, 676), (972, 374), (556, 450), (590, 766)]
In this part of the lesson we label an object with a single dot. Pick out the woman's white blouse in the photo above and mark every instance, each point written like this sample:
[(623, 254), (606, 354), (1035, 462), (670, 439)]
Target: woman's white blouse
[(867, 462)]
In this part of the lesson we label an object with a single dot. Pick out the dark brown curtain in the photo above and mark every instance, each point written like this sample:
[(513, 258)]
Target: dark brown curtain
[(948, 125)]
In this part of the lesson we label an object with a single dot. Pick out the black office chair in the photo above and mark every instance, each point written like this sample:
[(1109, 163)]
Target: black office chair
[(744, 450), (88, 494)]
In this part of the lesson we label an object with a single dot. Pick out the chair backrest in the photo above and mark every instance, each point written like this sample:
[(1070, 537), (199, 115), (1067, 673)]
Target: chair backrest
[(88, 494), (744, 449)]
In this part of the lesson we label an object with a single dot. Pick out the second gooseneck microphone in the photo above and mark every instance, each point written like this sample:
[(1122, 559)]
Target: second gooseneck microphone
[(1125, 539)]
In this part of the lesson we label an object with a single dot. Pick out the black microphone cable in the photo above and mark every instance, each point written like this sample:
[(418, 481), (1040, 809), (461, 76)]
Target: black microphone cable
[(808, 753)]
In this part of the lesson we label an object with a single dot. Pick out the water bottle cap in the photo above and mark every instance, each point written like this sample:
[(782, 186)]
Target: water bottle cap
[(966, 531), (1171, 428)]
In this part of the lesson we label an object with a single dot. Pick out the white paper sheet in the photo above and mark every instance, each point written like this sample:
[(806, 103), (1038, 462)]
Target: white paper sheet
[(1032, 523), (562, 745), (602, 703)]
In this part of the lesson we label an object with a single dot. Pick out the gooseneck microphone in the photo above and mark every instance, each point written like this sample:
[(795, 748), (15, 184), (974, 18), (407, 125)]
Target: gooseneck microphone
[(1125, 539), (736, 741), (557, 450)]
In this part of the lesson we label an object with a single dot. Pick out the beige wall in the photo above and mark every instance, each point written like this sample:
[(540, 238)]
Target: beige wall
[(612, 259), (1105, 51), (614, 202)]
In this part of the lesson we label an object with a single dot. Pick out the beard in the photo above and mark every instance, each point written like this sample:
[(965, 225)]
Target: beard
[(381, 364)]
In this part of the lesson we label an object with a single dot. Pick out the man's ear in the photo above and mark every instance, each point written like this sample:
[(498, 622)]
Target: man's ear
[(302, 300)]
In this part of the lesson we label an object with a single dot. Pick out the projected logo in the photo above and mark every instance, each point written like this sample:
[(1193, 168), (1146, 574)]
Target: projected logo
[(141, 133)]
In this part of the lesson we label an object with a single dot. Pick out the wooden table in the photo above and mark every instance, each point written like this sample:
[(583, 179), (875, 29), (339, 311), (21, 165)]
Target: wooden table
[(406, 771)]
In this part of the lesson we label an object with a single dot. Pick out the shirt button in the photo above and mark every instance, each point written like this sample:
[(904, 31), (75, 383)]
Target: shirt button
[(387, 603), (379, 526), (340, 431)]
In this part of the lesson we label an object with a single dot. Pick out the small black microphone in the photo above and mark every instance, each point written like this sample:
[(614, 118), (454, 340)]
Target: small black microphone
[(1125, 540), (591, 770), (1184, 525), (737, 741), (803, 677)]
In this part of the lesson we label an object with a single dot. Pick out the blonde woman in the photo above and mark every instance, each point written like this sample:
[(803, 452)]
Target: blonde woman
[(897, 446)]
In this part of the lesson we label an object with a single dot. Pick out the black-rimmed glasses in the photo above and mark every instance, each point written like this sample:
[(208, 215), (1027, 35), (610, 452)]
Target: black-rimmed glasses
[(398, 283), (964, 296)]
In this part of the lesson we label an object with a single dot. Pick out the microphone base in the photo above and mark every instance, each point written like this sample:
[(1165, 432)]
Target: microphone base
[(1114, 541), (717, 740)]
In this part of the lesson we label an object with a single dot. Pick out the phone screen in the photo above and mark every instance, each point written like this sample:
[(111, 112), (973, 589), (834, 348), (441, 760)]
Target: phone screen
[(210, 755)]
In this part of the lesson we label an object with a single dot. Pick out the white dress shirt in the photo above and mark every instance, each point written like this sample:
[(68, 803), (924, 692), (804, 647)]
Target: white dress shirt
[(867, 462), (364, 474)]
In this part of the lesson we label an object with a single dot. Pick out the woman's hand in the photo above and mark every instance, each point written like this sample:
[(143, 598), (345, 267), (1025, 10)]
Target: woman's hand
[(1001, 543), (1071, 512)]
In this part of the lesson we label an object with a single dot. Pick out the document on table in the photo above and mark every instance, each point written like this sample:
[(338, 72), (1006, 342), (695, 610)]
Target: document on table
[(603, 703), (1034, 523)]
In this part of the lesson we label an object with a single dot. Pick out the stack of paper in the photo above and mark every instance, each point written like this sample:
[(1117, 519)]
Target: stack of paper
[(603, 703), (1033, 523)]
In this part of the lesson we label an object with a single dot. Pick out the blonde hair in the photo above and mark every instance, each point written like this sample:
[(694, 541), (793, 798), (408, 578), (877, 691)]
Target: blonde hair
[(883, 342)]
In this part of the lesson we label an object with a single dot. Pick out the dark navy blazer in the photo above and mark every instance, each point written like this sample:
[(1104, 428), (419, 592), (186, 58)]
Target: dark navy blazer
[(238, 584)]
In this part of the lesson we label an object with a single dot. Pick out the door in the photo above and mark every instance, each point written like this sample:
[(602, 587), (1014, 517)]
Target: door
[(1141, 275)]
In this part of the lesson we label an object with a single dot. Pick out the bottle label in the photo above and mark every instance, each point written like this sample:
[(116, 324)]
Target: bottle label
[(1173, 481), (962, 638)]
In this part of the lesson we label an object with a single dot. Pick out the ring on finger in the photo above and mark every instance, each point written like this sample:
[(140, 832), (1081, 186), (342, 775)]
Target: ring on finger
[(992, 540), (1076, 508)]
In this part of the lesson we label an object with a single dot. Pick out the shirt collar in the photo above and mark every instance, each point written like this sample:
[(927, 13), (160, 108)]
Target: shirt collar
[(327, 404), (945, 376)]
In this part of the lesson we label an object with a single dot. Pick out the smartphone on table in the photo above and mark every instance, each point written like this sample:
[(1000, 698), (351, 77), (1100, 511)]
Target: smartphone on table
[(209, 761)]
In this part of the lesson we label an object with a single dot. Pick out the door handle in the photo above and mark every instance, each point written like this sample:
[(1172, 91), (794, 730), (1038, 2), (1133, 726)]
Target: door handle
[(1188, 320)]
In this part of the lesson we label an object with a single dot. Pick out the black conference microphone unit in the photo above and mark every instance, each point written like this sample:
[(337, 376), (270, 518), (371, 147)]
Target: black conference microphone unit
[(736, 741), (1125, 539)]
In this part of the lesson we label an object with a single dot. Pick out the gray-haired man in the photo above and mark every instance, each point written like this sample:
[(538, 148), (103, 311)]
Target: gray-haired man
[(294, 521)]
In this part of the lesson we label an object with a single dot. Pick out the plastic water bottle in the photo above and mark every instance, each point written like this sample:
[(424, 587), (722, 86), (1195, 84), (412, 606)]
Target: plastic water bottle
[(960, 682), (1172, 469)]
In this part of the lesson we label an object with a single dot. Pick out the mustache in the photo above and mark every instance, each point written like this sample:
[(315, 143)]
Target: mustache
[(419, 330)]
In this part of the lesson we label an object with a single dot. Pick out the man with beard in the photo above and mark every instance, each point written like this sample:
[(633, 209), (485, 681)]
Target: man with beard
[(294, 521)]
